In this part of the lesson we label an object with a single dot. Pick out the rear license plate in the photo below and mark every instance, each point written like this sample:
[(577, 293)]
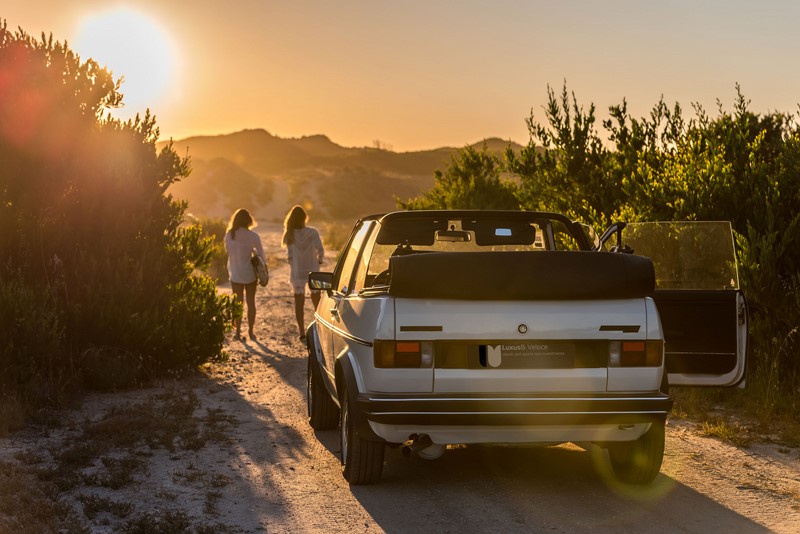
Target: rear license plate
[(528, 355)]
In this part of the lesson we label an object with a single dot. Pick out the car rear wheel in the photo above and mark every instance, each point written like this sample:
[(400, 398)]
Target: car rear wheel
[(323, 414), (639, 461), (362, 460)]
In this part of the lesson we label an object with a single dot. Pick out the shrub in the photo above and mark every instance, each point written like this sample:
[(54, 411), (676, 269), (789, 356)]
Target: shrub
[(31, 349), (218, 266), (96, 260)]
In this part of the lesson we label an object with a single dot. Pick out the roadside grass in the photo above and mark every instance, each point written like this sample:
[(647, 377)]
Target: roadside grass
[(192, 475), (690, 403), (210, 504), (732, 432), (215, 528), (94, 505), (31, 506), (38, 488), (713, 408), (790, 435), (163, 521)]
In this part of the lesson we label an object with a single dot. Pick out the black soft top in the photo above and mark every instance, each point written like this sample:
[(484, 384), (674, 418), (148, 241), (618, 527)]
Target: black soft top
[(526, 275)]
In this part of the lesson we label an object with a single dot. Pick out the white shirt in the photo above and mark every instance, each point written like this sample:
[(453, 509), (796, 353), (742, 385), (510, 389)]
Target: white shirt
[(240, 270), (305, 256)]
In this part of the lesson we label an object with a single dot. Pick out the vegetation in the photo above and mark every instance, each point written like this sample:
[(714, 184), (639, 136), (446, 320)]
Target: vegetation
[(96, 270), (731, 432), (472, 181), (738, 166), (215, 229), (59, 488)]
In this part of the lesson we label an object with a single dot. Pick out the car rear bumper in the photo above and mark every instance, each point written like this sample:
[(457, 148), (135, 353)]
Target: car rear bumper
[(509, 411)]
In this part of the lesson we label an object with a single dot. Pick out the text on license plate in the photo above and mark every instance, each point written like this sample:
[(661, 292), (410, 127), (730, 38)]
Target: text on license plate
[(528, 355)]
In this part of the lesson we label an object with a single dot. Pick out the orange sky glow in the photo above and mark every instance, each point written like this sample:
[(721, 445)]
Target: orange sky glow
[(418, 74)]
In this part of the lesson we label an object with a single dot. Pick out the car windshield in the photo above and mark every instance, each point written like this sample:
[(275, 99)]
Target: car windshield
[(687, 254)]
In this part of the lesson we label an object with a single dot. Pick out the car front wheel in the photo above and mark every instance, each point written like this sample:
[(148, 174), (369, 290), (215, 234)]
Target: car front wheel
[(639, 461), (362, 460)]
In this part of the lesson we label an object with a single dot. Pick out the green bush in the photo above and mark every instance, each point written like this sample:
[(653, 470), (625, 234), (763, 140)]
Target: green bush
[(32, 353), (99, 271), (472, 181), (218, 266)]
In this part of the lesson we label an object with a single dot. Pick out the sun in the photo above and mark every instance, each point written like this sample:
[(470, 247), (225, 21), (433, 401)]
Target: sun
[(135, 48)]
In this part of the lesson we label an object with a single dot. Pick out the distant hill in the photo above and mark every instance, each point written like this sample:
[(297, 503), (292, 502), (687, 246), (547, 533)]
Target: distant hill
[(267, 174)]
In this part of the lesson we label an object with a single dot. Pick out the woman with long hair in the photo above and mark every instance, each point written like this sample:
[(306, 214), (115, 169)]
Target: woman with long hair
[(305, 253), (240, 243)]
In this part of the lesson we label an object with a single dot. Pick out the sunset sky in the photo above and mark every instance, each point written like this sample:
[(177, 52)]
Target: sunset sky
[(418, 74)]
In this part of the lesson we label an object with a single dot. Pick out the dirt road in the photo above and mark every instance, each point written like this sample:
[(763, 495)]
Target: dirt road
[(275, 474)]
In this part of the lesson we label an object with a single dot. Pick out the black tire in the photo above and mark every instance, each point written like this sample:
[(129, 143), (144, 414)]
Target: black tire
[(639, 461), (362, 460), (323, 413)]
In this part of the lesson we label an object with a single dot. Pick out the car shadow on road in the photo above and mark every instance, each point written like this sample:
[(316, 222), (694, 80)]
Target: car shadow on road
[(524, 489)]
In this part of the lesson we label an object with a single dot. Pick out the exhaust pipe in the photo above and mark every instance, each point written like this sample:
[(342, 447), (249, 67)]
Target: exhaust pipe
[(416, 443)]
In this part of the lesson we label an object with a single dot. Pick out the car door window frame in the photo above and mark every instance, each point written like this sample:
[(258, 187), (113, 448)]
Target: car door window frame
[(358, 282), (349, 261)]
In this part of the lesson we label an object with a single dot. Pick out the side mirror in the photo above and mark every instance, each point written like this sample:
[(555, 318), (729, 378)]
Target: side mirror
[(318, 281)]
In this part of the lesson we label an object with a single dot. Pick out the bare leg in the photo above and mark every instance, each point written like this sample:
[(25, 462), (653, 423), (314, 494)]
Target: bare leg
[(251, 308), (238, 293), (299, 302)]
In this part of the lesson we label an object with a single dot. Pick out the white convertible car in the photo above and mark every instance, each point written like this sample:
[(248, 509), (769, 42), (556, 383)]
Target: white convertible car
[(513, 327)]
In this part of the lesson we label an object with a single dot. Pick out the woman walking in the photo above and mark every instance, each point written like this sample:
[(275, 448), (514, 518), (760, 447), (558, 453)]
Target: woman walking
[(305, 252), (240, 243)]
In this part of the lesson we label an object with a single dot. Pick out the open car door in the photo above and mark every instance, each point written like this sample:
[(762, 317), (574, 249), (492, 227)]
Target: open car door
[(703, 312)]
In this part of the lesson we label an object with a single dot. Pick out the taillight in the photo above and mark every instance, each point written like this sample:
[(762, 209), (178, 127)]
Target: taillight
[(635, 353), (403, 354)]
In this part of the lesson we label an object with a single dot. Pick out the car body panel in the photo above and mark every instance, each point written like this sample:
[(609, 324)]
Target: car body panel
[(497, 324)]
